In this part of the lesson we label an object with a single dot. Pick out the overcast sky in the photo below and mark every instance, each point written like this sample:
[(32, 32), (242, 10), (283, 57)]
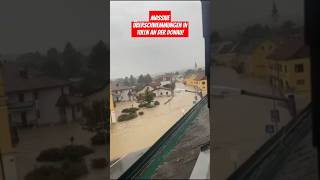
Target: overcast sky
[(153, 55), (30, 25)]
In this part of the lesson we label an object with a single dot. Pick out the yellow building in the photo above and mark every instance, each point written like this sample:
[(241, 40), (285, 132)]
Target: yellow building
[(259, 61), (251, 56), (201, 82), (112, 110), (189, 80), (290, 68), (7, 155)]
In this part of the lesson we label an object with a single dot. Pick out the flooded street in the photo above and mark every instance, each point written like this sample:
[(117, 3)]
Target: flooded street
[(143, 131)]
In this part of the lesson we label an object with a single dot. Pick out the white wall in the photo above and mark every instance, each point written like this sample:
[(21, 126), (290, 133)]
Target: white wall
[(163, 91), (49, 112)]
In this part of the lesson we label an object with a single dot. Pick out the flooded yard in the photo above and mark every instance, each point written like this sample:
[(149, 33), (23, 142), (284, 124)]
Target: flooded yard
[(143, 131), (33, 141)]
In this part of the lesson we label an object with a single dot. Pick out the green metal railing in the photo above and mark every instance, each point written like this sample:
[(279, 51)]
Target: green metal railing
[(146, 165)]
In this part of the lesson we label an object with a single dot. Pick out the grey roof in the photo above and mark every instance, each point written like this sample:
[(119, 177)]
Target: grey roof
[(14, 82)]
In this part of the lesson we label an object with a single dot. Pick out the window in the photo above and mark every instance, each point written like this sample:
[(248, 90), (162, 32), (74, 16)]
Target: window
[(281, 83), (285, 68), (298, 68), (280, 67), (300, 82), (287, 85), (203, 83), (21, 97), (167, 93)]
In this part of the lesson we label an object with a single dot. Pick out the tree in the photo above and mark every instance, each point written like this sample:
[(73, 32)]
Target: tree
[(141, 79), (147, 79), (149, 97), (52, 67), (132, 80), (288, 25), (99, 58), (255, 31), (126, 81), (71, 61), (189, 71)]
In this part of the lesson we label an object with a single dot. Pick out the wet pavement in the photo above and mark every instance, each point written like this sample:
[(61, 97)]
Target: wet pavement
[(33, 141)]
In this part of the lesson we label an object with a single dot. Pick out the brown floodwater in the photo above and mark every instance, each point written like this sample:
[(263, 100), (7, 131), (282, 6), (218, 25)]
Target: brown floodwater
[(143, 131)]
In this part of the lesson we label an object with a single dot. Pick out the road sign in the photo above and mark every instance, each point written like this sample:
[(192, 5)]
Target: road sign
[(275, 116), (269, 129)]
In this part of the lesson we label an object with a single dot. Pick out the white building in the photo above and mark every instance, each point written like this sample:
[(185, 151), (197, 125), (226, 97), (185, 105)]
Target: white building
[(149, 87), (32, 100), (122, 93), (160, 92), (167, 79)]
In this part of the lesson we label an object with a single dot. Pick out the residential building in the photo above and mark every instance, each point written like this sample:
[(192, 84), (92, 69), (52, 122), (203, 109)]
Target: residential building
[(7, 156), (167, 79), (160, 92), (201, 81), (189, 80), (112, 110), (223, 53), (259, 60), (149, 87), (290, 68), (32, 99), (251, 56), (122, 93), (71, 107)]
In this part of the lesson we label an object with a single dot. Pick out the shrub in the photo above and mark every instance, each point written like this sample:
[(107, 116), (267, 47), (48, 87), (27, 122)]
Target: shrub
[(125, 117), (156, 103), (149, 106), (73, 170), (130, 110), (52, 155), (45, 172), (99, 163), (99, 139), (76, 152), (71, 152), (143, 104), (141, 113)]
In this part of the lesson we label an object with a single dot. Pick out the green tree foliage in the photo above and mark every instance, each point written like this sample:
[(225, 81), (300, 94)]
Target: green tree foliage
[(140, 79), (132, 80), (71, 61), (126, 81), (147, 79), (99, 57), (51, 66)]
